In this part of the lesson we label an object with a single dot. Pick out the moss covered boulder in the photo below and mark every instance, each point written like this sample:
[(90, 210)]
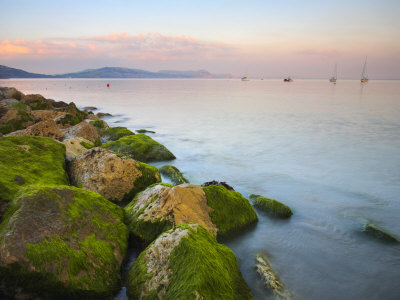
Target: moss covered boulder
[(231, 211), (61, 242), (140, 147), (116, 178), (115, 133), (14, 115), (37, 102), (173, 174), (271, 206), (162, 206), (186, 263), (29, 160)]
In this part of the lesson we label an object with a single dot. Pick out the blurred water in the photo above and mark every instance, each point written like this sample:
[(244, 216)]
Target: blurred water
[(332, 153)]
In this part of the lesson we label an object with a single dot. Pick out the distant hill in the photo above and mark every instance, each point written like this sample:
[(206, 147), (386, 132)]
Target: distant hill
[(6, 72), (112, 72)]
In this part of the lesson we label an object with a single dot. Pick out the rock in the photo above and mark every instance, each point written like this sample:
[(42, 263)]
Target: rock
[(76, 146), (273, 207), (37, 160), (14, 115), (103, 115), (162, 206), (83, 129), (99, 124), (378, 233), (43, 115), (140, 147), (174, 174), (115, 133), (10, 93), (73, 115), (37, 102), (220, 183), (232, 212), (144, 131), (92, 117), (45, 128), (115, 178), (186, 263), (59, 104), (89, 108), (270, 279), (62, 242)]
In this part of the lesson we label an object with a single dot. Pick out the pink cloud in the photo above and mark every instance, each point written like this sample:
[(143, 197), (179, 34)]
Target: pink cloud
[(150, 46)]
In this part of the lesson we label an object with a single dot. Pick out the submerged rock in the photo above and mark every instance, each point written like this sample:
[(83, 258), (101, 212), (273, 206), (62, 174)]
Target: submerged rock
[(144, 131), (113, 177), (84, 130), (103, 115), (140, 147), (76, 146), (115, 133), (46, 128), (32, 160), (378, 233), (163, 206), (61, 242), (270, 279), (174, 174), (186, 263), (273, 207)]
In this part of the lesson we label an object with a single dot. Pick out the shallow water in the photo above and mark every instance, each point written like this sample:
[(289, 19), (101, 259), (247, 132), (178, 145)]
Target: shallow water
[(332, 153)]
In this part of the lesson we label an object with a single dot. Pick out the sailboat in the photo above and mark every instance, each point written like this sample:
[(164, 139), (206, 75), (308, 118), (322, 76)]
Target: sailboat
[(333, 79), (364, 77), (245, 78)]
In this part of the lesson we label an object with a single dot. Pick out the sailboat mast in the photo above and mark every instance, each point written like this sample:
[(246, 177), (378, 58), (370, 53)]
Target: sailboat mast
[(336, 71), (363, 71)]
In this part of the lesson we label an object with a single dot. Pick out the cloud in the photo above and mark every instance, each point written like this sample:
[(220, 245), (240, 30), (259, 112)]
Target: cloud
[(144, 47), (318, 52)]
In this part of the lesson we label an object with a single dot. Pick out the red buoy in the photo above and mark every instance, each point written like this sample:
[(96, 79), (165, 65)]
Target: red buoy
[(108, 85)]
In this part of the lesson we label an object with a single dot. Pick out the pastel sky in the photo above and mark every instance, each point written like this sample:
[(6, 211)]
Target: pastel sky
[(269, 38)]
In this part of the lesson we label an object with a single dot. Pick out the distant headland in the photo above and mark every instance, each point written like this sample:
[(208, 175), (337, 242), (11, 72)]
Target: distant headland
[(112, 72)]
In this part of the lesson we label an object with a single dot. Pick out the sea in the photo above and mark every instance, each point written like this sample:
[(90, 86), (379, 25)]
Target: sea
[(330, 152)]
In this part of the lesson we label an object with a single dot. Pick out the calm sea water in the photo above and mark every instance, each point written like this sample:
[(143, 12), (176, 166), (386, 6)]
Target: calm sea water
[(332, 153)]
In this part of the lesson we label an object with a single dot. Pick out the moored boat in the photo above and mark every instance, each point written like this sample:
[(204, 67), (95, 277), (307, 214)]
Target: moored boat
[(288, 79)]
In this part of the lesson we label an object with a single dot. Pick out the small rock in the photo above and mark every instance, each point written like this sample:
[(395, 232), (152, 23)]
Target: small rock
[(379, 233), (271, 206), (174, 174), (220, 183), (84, 130), (89, 108), (103, 115), (76, 146), (144, 131)]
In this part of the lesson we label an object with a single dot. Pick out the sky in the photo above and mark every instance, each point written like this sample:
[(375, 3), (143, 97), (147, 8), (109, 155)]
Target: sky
[(269, 38)]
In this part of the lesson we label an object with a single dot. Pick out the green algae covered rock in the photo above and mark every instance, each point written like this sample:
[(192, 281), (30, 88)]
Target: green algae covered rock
[(115, 133), (14, 115), (186, 263), (231, 211), (174, 174), (62, 242), (140, 147), (273, 207), (26, 160)]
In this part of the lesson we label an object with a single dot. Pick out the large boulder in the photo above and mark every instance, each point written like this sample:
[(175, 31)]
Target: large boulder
[(113, 177), (173, 174), (75, 147), (115, 133), (140, 147), (37, 102), (10, 93), (44, 115), (29, 160), (84, 130), (46, 128), (271, 206), (186, 263), (14, 115), (162, 206), (61, 242)]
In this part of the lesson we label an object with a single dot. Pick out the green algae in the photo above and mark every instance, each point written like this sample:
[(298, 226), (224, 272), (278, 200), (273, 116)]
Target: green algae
[(190, 263), (232, 212), (115, 133), (19, 122), (98, 123), (150, 175), (37, 160), (271, 206), (140, 147), (86, 145), (78, 261), (174, 174)]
